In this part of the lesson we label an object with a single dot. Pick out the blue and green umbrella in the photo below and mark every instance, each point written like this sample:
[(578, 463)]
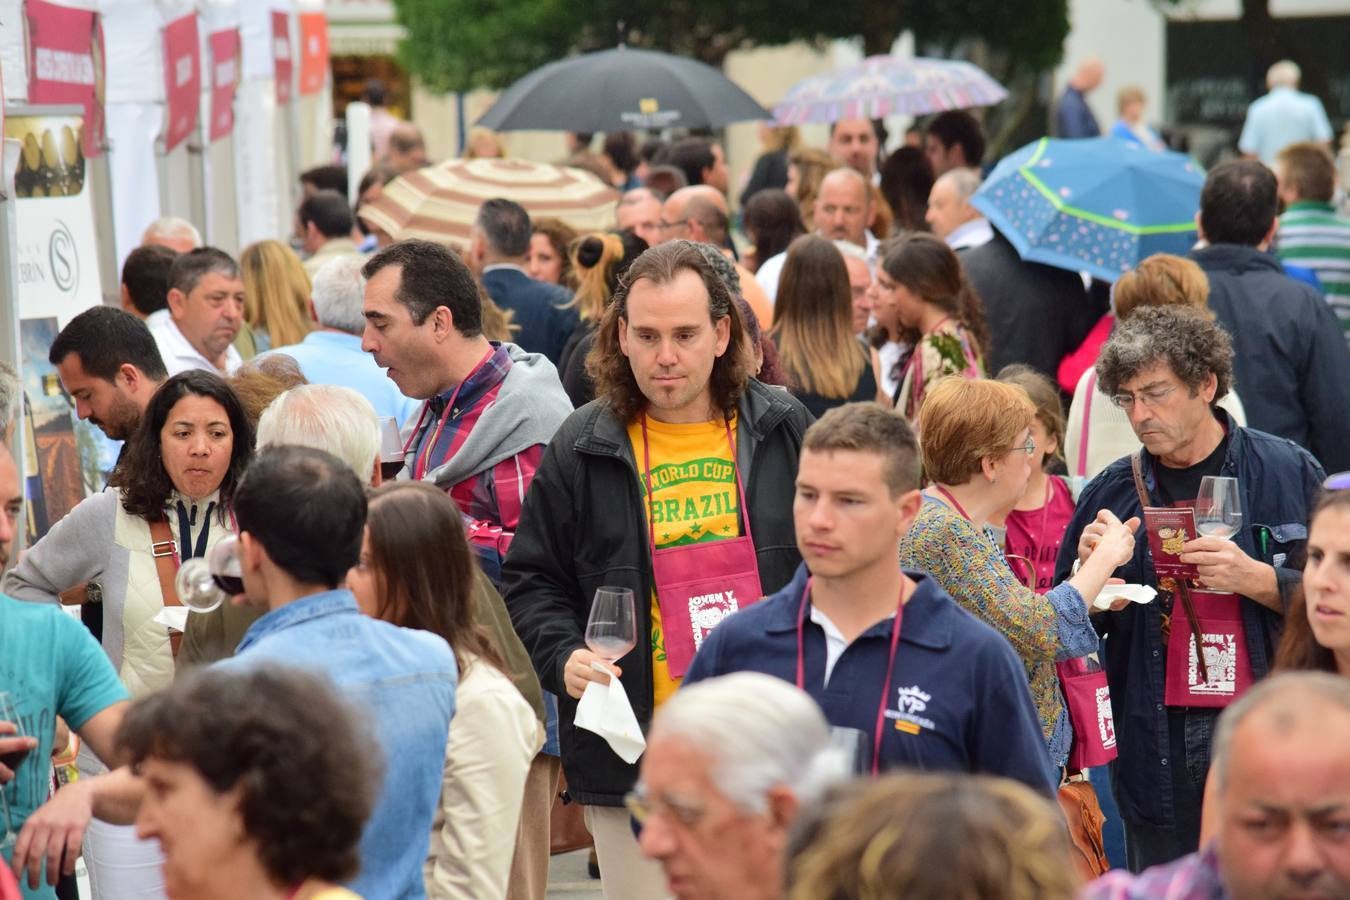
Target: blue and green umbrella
[(1099, 205)]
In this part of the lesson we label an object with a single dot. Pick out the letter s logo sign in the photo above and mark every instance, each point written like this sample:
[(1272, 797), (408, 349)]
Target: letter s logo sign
[(64, 258)]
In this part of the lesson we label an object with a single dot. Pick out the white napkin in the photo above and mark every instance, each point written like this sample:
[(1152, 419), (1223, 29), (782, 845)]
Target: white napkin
[(604, 709), (174, 617), (1136, 593)]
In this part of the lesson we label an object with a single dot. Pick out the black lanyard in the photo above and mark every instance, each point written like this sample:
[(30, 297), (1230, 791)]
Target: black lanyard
[(185, 522)]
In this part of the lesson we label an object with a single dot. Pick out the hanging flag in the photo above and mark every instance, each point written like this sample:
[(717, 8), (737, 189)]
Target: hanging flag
[(182, 80), (66, 63), (313, 52), (224, 77), (281, 56)]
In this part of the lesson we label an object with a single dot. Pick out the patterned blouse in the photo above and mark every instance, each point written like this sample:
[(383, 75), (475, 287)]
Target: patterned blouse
[(947, 351), (1042, 628)]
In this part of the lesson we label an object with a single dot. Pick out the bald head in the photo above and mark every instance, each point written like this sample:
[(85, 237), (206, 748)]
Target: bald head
[(843, 206), (702, 210), (640, 210), (1088, 74), (1283, 779), (179, 235)]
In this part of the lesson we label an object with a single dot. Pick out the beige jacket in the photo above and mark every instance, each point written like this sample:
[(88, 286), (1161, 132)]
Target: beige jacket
[(494, 736)]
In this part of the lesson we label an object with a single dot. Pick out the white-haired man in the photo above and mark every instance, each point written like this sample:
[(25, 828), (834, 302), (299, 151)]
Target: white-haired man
[(950, 214), (1284, 116), (332, 354), (729, 764), (859, 283), (179, 235)]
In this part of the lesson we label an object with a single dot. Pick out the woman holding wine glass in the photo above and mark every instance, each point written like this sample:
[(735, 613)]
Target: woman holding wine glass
[(167, 501), (416, 570)]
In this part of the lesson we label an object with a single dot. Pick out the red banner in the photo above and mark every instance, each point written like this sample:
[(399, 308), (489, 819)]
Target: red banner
[(281, 56), (224, 78), (182, 80), (313, 52), (65, 64)]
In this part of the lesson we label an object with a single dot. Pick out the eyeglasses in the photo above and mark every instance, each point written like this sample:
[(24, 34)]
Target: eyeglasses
[(666, 226), (1152, 399), (642, 807), (1028, 448)]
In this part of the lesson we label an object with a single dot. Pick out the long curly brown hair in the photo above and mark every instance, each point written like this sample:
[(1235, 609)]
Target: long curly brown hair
[(609, 367), (928, 267)]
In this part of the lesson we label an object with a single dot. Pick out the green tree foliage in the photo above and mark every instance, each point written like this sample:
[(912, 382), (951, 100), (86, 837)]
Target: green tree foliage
[(464, 44)]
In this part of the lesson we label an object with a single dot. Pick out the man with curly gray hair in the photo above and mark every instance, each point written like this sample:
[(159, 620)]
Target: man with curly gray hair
[(1166, 367)]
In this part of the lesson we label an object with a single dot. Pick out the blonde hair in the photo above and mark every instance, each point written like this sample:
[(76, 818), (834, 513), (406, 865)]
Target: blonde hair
[(813, 321), (958, 837), (782, 137), (1130, 94), (593, 280), (812, 167), (276, 292), (965, 420), (1162, 280), (498, 324), (1045, 395)]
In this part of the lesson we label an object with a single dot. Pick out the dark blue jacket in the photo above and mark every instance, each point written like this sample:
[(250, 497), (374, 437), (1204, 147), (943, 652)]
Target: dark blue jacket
[(957, 682), (1290, 363), (1279, 482), (544, 324)]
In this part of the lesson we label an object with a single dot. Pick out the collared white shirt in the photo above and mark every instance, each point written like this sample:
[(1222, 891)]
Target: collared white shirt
[(975, 233), (180, 356), (772, 268), (495, 266)]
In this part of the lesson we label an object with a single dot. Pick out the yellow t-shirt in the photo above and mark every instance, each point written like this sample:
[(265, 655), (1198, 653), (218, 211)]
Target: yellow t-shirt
[(694, 485)]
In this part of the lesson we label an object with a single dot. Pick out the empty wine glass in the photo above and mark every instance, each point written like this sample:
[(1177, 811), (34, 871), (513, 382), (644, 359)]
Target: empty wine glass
[(8, 793), (1218, 508), (611, 630)]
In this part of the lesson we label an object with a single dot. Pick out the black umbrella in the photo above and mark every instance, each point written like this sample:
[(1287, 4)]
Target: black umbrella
[(621, 90)]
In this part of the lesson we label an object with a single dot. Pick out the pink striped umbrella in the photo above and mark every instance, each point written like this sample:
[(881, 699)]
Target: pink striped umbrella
[(883, 86), (439, 203)]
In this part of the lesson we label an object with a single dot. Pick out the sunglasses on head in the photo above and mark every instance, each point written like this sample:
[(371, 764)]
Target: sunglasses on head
[(1338, 482)]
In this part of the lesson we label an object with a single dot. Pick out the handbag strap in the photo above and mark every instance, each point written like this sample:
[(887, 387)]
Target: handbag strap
[(1089, 399), (1136, 467), (165, 551)]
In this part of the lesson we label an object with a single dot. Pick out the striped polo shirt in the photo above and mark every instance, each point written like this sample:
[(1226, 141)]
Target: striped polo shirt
[(1311, 235)]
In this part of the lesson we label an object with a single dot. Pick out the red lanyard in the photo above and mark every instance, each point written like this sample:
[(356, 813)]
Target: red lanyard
[(420, 464), (890, 664), (953, 501)]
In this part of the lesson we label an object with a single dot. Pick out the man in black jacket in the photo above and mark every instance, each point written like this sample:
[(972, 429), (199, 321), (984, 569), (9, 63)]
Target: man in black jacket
[(1290, 362), (677, 417), (1037, 314)]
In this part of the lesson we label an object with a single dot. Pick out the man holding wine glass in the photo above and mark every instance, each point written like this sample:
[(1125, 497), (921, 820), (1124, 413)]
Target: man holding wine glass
[(1226, 511), (642, 497)]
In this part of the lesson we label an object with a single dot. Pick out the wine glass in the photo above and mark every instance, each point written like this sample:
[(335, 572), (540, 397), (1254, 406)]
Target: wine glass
[(9, 713), (611, 630), (1218, 508)]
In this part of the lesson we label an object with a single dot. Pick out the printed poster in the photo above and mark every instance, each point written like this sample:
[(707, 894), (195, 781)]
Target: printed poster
[(66, 64), (224, 79), (58, 278), (182, 80)]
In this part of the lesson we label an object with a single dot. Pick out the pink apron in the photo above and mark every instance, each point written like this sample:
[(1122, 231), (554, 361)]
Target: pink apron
[(1088, 700), (1207, 660), (699, 585), (1208, 664)]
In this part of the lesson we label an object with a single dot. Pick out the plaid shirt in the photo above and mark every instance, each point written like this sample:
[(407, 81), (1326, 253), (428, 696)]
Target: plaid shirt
[(491, 499), (1194, 877)]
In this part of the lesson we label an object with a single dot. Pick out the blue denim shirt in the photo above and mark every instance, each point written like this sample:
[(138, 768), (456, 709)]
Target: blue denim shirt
[(405, 681)]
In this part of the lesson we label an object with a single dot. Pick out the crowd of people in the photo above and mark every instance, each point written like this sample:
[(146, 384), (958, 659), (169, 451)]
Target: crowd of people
[(871, 486)]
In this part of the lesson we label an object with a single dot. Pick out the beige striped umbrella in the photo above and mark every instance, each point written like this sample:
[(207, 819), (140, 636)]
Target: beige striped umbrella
[(439, 203)]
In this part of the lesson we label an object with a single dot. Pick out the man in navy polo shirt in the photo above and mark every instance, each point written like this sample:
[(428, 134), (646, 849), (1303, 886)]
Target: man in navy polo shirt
[(883, 651)]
